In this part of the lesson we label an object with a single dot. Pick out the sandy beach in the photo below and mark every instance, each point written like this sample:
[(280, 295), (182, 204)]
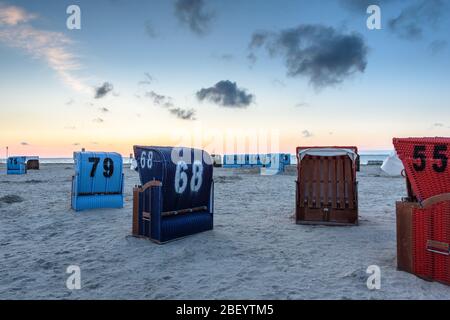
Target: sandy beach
[(256, 251)]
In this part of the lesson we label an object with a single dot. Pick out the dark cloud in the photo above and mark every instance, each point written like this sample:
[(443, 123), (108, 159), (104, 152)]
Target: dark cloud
[(438, 46), (307, 134), (438, 124), (24, 144), (103, 90), (104, 110), (227, 94), (150, 29), (410, 23), (76, 144), (158, 99), (193, 14), (323, 54), (361, 5), (148, 79), (302, 105), (167, 103), (98, 120), (70, 102), (184, 114)]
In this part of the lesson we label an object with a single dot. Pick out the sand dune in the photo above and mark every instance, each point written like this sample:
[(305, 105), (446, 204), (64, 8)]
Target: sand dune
[(256, 251)]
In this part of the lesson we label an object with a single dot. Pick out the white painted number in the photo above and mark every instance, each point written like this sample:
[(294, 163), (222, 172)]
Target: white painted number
[(146, 160), (181, 178), (197, 173)]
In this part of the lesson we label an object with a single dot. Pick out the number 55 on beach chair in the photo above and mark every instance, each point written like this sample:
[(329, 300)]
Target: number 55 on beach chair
[(98, 181), (176, 196), (327, 190), (423, 217)]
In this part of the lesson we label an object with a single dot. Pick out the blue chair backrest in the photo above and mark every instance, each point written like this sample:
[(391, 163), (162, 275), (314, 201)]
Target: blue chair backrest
[(98, 172), (185, 173), (16, 164)]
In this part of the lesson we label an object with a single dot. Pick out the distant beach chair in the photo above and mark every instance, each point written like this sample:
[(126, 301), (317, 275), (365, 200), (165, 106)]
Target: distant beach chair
[(423, 217), (33, 163), (16, 165), (327, 190)]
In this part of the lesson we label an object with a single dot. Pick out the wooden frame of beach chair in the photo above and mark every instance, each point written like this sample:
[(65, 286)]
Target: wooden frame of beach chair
[(326, 188)]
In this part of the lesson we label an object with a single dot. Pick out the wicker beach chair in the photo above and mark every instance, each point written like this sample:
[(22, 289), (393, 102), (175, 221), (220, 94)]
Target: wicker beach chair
[(423, 217), (327, 190)]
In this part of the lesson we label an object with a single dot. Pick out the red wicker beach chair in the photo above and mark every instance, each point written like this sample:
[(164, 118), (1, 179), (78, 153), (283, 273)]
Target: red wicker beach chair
[(423, 218)]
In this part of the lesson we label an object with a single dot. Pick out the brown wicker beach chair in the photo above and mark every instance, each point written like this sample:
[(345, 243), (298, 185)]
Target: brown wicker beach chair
[(327, 190)]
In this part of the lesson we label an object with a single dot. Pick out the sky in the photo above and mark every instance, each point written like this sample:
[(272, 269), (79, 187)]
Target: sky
[(205, 72)]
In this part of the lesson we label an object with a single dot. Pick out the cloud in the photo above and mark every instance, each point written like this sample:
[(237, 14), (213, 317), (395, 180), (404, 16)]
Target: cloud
[(322, 54), (104, 110), (226, 94), (226, 57), (150, 29), (158, 99), (76, 144), (70, 102), (302, 105), (98, 120), (193, 14), (70, 128), (184, 114), (148, 79), (307, 134), (12, 15), (166, 102), (103, 90), (438, 46), (52, 47), (410, 23), (438, 124), (360, 6), (24, 144)]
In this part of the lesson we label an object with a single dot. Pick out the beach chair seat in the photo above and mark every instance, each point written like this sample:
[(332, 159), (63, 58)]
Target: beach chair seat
[(176, 196), (326, 186), (423, 217)]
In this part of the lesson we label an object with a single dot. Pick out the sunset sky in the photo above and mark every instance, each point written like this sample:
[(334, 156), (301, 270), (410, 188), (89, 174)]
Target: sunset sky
[(159, 72)]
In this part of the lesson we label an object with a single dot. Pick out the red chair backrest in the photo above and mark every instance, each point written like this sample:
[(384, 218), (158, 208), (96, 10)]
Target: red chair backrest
[(426, 164)]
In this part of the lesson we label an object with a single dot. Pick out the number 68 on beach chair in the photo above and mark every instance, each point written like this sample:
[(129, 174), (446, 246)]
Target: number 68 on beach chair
[(176, 196), (98, 181), (327, 190)]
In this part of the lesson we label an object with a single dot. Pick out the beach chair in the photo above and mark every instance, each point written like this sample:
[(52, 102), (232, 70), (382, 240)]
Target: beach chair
[(326, 186), (33, 163), (175, 199), (423, 217), (16, 165), (98, 181)]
